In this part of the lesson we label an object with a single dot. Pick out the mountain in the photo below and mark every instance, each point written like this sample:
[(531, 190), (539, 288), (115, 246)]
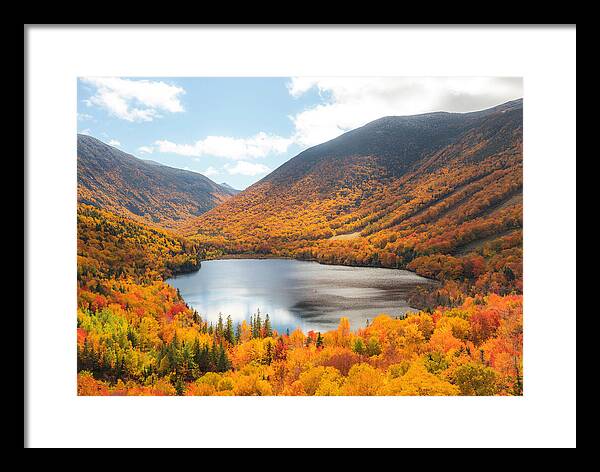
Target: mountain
[(143, 190), (229, 188), (151, 162), (396, 190)]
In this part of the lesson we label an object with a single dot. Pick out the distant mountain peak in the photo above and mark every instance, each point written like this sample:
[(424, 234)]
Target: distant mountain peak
[(230, 188)]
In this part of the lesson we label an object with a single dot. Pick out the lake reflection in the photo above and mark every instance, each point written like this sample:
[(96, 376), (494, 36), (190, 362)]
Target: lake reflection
[(294, 293)]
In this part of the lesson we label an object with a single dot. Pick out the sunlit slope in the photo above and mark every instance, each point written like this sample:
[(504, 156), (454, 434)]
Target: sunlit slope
[(110, 246), (143, 190), (440, 183)]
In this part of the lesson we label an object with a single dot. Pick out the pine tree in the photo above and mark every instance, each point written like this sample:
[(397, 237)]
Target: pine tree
[(257, 328), (188, 367), (174, 354), (83, 357), (359, 346), (214, 357), (238, 333), (197, 358), (229, 333), (220, 329), (319, 342), (223, 364), (179, 386), (204, 359), (268, 329)]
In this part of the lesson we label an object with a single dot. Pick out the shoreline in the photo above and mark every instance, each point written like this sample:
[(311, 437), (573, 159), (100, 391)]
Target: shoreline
[(226, 257)]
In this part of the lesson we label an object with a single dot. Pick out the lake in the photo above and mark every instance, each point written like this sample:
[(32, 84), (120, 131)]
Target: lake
[(302, 294)]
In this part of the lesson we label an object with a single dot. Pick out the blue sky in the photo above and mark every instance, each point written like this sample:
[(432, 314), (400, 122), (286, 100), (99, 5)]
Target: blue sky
[(237, 130)]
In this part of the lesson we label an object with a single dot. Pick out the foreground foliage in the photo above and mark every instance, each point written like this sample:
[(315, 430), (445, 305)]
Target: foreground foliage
[(142, 339)]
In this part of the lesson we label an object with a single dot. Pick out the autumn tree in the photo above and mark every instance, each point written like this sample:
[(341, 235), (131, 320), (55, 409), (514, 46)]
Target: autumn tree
[(475, 379)]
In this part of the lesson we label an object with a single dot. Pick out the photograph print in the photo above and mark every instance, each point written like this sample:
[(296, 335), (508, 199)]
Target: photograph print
[(299, 236)]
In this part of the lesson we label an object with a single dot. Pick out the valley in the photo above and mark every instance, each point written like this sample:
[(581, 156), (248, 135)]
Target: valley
[(356, 200), (189, 287)]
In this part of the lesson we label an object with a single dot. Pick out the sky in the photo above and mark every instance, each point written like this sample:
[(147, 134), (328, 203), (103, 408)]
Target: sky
[(239, 129)]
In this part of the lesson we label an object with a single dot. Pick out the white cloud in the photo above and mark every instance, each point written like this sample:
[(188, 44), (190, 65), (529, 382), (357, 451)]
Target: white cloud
[(114, 142), (247, 168), (210, 171), (352, 102), (84, 117), (134, 100), (86, 131), (345, 104), (259, 145), (145, 149)]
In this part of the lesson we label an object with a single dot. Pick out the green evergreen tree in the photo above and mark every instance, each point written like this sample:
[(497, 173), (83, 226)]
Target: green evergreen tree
[(319, 342), (359, 346), (197, 358), (188, 367), (179, 386), (373, 347), (174, 354), (214, 357), (267, 329), (83, 357), (223, 364), (229, 332), (238, 333), (204, 360), (220, 329), (257, 329)]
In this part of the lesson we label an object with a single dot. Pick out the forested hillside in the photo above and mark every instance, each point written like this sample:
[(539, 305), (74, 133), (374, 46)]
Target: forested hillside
[(136, 336), (142, 190), (439, 194)]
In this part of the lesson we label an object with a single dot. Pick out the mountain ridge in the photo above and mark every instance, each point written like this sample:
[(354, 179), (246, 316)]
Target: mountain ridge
[(147, 191)]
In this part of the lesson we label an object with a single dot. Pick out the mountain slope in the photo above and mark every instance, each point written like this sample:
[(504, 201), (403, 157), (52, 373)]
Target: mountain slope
[(391, 192), (229, 188), (143, 190)]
